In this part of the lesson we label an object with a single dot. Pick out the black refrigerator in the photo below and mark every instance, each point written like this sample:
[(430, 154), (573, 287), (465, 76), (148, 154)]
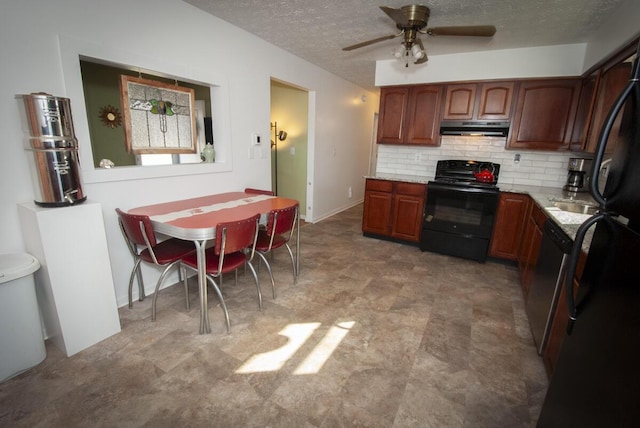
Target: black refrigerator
[(596, 381)]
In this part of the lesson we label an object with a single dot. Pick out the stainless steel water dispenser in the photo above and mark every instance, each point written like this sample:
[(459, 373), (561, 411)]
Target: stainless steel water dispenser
[(55, 169)]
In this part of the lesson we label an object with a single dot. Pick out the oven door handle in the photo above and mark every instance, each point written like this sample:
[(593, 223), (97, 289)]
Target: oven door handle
[(464, 189)]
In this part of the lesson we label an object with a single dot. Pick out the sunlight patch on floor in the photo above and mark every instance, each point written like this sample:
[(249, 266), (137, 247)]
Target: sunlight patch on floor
[(298, 334), (323, 350), (274, 360)]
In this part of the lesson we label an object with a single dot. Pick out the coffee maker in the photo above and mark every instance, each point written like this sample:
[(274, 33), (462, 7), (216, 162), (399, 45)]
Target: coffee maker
[(579, 175)]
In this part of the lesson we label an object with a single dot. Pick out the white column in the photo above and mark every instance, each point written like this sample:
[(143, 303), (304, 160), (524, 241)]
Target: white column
[(74, 286)]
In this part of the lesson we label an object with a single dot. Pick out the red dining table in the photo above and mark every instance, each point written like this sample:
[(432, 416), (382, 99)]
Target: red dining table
[(195, 220)]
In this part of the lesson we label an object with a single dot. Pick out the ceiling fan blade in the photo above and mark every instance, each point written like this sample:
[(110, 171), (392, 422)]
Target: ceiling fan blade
[(370, 42), (396, 14), (472, 30), (425, 58)]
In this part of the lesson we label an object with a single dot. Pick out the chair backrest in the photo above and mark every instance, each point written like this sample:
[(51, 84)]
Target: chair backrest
[(282, 221), (137, 228), (236, 235), (259, 191)]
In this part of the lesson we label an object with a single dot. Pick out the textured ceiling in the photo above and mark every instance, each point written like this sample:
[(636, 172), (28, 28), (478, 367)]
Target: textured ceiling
[(317, 30)]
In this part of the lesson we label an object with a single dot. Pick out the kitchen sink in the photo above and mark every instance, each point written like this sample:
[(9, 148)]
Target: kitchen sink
[(576, 207)]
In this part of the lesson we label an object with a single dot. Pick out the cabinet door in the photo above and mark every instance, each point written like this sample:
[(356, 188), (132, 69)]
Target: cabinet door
[(407, 217), (495, 101), (423, 119), (509, 226), (531, 242), (408, 210), (611, 85), (459, 102), (377, 212), (560, 321), (530, 247), (544, 115), (584, 112), (392, 114)]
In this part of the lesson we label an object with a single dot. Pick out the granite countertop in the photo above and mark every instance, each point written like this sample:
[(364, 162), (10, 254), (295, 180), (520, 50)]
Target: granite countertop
[(400, 177), (543, 196)]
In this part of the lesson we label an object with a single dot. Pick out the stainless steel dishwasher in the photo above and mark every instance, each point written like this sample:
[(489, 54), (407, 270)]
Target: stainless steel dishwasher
[(547, 281)]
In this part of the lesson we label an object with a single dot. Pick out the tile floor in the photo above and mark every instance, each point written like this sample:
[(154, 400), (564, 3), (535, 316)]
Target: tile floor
[(375, 334)]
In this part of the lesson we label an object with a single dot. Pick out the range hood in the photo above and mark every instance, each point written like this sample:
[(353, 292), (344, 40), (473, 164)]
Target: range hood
[(475, 127)]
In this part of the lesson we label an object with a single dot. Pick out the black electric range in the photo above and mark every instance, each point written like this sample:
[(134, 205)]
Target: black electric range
[(460, 209)]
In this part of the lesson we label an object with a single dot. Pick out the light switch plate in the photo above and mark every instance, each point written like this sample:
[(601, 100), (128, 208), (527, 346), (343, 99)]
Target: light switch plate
[(256, 139)]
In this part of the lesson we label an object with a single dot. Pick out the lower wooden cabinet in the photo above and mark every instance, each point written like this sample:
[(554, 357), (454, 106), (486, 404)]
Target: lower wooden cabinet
[(560, 321), (377, 207), (394, 209), (530, 246), (509, 225)]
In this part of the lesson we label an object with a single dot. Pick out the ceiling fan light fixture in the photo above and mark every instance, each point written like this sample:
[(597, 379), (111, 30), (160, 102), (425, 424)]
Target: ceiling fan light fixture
[(417, 52), (398, 52)]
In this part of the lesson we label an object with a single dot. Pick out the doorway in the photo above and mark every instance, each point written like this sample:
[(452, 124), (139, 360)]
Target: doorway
[(289, 141)]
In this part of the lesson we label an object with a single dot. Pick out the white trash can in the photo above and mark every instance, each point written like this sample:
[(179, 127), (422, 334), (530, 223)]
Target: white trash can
[(21, 339)]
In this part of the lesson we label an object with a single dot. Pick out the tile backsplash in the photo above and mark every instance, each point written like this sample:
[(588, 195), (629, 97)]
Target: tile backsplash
[(535, 168)]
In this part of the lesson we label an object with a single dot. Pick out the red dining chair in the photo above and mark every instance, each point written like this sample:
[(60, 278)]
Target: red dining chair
[(281, 224), (234, 247), (144, 247), (259, 191)]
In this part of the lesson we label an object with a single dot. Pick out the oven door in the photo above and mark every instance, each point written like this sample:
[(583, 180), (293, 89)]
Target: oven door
[(459, 219)]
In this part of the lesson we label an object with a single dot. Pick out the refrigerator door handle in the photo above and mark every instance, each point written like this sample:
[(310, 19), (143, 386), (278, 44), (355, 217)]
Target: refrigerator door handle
[(573, 263)]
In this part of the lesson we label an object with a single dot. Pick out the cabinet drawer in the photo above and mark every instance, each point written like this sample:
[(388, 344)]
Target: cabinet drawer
[(380, 185), (538, 215), (414, 189)]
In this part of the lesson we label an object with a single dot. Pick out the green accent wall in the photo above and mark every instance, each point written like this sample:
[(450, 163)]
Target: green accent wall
[(101, 84)]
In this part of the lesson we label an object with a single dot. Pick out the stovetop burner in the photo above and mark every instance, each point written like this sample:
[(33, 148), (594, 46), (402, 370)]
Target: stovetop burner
[(467, 173)]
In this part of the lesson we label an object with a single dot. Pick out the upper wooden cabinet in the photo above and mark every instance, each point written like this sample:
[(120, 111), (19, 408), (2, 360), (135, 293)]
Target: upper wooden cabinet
[(584, 112), (478, 101), (545, 112), (459, 102), (611, 84), (392, 114), (410, 115)]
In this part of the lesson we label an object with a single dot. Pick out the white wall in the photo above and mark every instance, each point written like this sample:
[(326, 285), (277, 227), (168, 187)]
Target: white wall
[(173, 37), (546, 61)]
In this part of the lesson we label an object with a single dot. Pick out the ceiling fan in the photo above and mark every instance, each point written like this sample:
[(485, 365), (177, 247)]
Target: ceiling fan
[(411, 20)]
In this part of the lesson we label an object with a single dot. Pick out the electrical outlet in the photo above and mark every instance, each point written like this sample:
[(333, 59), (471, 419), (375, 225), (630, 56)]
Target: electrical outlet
[(417, 157), (349, 192)]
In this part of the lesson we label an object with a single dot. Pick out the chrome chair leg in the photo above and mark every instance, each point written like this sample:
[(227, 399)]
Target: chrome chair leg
[(185, 281), (224, 306), (273, 283), (293, 264), (155, 295), (255, 278), (136, 272)]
